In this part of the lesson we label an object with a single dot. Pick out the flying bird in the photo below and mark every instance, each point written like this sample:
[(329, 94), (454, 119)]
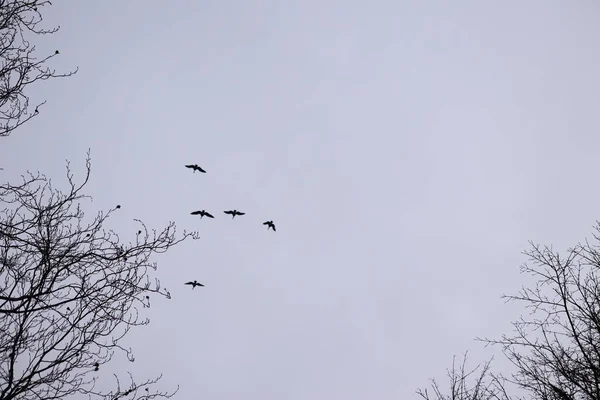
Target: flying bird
[(270, 224), (202, 213), (195, 167), (233, 213), (194, 284)]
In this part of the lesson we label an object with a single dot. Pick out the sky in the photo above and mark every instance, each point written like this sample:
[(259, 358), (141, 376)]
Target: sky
[(406, 151)]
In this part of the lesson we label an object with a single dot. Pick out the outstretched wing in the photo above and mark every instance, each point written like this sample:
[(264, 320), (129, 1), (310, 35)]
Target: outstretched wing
[(266, 223), (273, 226), (190, 166), (228, 212), (200, 169), (241, 213), (189, 283), (208, 215), (196, 213)]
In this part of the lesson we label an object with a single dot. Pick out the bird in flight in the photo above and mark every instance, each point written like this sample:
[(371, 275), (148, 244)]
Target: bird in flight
[(233, 213), (194, 284), (202, 213), (195, 167), (270, 224)]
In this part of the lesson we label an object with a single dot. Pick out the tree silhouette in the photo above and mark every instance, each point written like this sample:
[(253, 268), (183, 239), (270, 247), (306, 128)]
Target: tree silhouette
[(468, 384), (19, 65), (555, 349), (70, 290)]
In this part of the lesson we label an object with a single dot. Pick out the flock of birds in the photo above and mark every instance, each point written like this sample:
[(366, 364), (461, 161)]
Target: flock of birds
[(204, 213)]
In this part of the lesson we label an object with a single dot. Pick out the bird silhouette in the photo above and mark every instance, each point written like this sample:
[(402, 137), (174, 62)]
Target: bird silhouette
[(194, 284), (202, 213), (195, 167), (233, 213), (270, 224)]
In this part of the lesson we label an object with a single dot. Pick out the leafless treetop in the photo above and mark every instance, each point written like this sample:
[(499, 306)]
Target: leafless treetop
[(70, 290), (468, 384), (20, 66)]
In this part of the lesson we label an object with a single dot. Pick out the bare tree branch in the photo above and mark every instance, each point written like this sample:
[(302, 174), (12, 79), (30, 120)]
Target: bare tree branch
[(556, 348), (19, 65), (70, 290), (465, 385)]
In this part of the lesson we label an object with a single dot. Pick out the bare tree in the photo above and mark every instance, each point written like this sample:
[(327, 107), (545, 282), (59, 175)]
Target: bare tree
[(19, 65), (468, 384), (70, 290), (556, 349)]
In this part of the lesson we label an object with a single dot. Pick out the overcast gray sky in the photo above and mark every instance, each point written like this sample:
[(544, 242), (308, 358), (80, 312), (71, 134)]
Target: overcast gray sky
[(406, 150)]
